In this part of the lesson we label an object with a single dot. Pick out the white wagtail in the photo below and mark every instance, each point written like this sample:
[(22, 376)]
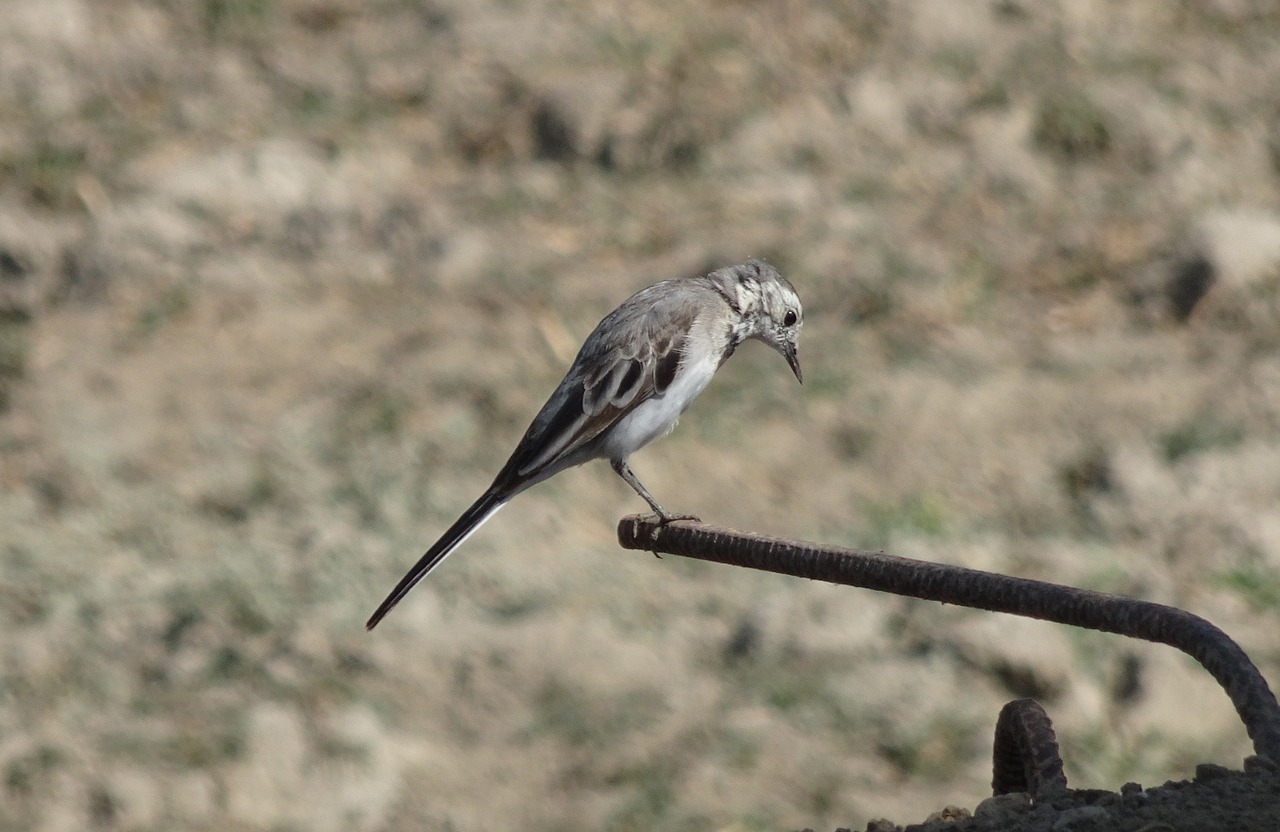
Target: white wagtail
[(637, 372)]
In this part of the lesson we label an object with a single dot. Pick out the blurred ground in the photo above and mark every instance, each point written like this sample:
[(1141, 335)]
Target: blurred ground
[(282, 282)]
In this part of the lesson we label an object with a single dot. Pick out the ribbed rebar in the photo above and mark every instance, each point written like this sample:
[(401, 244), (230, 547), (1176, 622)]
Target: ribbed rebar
[(1025, 756), (1222, 657)]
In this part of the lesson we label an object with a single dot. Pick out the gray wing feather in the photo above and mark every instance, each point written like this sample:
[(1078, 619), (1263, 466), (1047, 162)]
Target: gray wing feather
[(632, 355)]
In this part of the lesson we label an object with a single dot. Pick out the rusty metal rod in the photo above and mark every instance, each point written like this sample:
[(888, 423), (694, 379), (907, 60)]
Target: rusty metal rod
[(1222, 657)]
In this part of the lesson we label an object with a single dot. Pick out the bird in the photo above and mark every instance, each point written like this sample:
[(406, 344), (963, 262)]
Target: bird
[(637, 372)]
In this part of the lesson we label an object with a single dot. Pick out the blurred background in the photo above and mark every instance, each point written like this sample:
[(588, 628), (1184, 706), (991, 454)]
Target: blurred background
[(283, 281)]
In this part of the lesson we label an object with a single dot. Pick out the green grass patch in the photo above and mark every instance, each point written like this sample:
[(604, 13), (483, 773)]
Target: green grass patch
[(47, 173), (935, 749), (169, 306), (1198, 435), (1259, 587), (231, 18), (15, 352), (1070, 125), (24, 772), (583, 718), (652, 801), (923, 514)]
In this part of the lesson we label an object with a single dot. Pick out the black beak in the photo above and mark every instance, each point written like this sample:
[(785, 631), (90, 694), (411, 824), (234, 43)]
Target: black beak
[(793, 360)]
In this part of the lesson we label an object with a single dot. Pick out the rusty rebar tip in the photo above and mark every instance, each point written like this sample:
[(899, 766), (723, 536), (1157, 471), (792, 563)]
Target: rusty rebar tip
[(1025, 755)]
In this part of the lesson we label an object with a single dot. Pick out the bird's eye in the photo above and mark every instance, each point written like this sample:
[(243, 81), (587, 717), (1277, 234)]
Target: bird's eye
[(789, 319)]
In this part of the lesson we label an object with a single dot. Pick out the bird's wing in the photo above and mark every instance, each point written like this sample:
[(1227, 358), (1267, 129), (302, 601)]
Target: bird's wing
[(632, 356)]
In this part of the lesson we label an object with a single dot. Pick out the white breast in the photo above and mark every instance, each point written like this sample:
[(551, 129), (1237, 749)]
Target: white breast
[(656, 417)]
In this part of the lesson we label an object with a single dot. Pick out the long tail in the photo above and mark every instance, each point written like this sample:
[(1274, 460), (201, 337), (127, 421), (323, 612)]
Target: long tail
[(466, 525)]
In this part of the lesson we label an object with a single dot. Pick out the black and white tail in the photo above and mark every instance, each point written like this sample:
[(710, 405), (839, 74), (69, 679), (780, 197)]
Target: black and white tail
[(466, 525)]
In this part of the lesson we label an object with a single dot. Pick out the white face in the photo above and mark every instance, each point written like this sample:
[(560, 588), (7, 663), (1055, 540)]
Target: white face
[(768, 305), (781, 320)]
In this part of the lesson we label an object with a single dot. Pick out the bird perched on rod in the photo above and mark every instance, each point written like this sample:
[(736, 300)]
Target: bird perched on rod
[(640, 368)]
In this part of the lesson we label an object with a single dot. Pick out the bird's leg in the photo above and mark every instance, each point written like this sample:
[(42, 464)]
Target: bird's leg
[(624, 471)]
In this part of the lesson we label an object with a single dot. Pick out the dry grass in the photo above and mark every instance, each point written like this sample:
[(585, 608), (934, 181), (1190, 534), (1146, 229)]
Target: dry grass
[(281, 282)]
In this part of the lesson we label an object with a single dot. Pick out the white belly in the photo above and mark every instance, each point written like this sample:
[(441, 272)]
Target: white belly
[(656, 417)]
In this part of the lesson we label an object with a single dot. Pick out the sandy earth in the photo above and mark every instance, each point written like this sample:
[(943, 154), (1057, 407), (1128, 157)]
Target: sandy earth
[(283, 281)]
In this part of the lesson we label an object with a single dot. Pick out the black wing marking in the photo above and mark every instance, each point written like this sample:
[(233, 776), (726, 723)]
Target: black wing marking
[(665, 371), (646, 342)]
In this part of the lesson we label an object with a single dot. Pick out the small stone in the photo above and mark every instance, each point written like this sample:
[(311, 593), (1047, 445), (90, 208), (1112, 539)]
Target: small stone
[(1211, 771), (1003, 808), (883, 825), (950, 813), (1082, 817), (1259, 763), (1129, 789)]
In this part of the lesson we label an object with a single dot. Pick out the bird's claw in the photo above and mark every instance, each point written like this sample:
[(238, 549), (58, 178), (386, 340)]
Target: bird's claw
[(665, 519)]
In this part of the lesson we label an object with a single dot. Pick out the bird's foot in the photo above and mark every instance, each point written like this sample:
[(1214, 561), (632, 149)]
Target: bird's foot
[(664, 519)]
